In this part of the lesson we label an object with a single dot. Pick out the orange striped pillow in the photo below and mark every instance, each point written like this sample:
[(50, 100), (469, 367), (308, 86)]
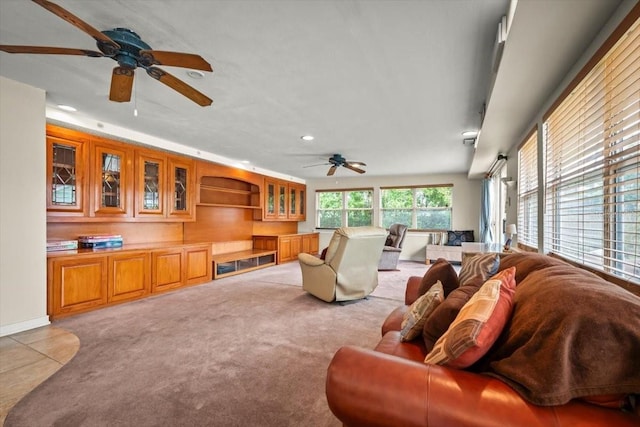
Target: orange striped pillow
[(478, 324)]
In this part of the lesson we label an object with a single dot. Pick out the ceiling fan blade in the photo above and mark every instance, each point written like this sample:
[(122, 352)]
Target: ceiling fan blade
[(121, 84), (332, 170), (353, 168), (317, 164), (49, 50), (175, 59), (179, 86), (77, 22)]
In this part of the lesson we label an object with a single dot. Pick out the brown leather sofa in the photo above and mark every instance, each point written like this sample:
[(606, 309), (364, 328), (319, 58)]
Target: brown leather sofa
[(391, 386)]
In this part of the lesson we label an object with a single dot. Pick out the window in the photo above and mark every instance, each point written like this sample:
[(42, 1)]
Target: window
[(592, 157), (528, 191), (344, 208), (419, 208)]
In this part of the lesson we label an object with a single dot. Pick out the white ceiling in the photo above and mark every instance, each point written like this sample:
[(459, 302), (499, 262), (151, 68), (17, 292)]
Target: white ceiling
[(389, 83)]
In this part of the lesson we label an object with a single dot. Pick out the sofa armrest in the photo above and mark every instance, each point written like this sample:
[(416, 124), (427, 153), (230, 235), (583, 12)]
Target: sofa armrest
[(368, 388), (411, 291)]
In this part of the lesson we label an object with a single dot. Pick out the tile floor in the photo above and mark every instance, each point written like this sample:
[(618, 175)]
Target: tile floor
[(30, 357)]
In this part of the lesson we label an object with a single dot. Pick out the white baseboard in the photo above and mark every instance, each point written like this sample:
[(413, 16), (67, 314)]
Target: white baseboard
[(23, 326)]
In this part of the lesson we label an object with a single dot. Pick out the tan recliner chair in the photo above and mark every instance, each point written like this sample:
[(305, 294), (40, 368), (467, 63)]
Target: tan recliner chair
[(349, 269)]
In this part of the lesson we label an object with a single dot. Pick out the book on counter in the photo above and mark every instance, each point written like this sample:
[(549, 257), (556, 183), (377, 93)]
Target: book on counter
[(100, 238), (61, 245), (115, 243)]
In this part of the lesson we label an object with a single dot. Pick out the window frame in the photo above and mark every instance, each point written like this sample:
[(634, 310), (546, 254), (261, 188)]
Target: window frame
[(344, 209), (415, 209), (528, 187), (591, 156)]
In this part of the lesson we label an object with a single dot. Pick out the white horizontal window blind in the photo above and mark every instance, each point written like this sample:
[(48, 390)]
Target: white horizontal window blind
[(528, 192), (592, 152)]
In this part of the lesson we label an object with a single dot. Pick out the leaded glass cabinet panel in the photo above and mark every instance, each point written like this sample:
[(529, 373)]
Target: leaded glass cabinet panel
[(150, 184), (66, 177)]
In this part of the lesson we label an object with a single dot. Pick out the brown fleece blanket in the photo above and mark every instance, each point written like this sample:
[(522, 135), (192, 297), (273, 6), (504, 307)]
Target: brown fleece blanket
[(572, 334)]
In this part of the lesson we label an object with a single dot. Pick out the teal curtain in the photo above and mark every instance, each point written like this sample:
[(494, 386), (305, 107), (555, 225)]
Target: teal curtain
[(486, 235)]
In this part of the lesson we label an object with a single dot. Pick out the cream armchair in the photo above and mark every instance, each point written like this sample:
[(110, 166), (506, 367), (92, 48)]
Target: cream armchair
[(349, 269)]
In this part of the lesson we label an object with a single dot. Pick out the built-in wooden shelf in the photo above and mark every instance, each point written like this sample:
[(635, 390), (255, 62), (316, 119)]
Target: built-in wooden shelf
[(228, 192), (228, 205)]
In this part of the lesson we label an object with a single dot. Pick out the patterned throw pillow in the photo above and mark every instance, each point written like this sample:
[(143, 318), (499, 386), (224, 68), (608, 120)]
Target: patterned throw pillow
[(456, 238), (478, 324), (414, 318), (443, 271), (445, 313), (485, 265)]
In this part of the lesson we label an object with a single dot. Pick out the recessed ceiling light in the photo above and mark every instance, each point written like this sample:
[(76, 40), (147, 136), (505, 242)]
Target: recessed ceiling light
[(470, 133), (195, 74), (66, 107), (246, 162), (307, 138)]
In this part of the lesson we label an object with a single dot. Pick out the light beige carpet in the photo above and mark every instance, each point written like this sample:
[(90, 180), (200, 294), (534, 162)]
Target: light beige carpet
[(248, 350)]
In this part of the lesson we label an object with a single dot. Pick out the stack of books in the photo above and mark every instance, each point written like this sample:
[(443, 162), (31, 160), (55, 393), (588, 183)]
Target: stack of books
[(100, 241), (62, 245)]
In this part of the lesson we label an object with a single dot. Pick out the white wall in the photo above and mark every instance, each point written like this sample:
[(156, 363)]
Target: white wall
[(23, 226), (466, 204)]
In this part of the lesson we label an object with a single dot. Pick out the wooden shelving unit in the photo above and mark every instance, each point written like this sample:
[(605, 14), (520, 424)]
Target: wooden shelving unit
[(229, 192), (231, 263)]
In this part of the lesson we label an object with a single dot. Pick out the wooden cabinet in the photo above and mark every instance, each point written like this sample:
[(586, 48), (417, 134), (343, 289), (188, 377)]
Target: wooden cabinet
[(95, 179), (181, 188), (85, 280), (275, 199), (284, 201), (297, 202), (179, 266), (311, 243), (77, 284), (197, 264), (129, 275), (288, 245), (165, 186), (151, 184), (67, 176), (111, 179), (167, 269)]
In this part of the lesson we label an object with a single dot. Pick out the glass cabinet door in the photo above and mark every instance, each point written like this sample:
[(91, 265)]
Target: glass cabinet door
[(111, 191), (282, 201), (150, 186), (65, 175), (270, 199), (180, 188), (293, 202), (112, 188)]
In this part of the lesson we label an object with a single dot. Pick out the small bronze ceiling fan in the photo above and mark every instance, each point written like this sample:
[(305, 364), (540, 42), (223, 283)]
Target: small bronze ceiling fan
[(337, 160), (127, 48)]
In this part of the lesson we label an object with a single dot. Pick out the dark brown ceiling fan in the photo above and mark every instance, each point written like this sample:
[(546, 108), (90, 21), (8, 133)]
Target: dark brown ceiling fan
[(127, 48), (337, 160)]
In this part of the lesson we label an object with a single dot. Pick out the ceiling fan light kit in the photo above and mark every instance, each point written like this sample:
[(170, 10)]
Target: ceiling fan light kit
[(130, 52)]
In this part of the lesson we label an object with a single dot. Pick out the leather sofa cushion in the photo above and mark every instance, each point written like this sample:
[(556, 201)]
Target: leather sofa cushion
[(393, 322), (391, 343)]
